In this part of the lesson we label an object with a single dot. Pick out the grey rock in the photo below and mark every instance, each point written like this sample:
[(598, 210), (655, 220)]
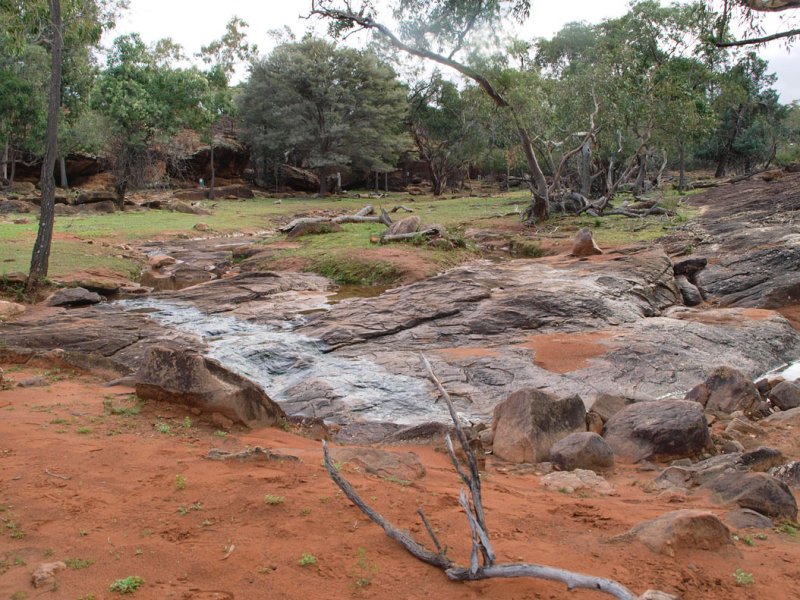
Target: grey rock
[(785, 395), (744, 518), (757, 491), (683, 531), (689, 292), (403, 226), (662, 430), (76, 296), (185, 377), (529, 422), (582, 450), (403, 466), (726, 390), (788, 473)]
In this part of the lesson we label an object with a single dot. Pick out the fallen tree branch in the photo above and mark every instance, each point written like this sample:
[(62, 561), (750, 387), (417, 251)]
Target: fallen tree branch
[(362, 216), (473, 508), (400, 237), (403, 208)]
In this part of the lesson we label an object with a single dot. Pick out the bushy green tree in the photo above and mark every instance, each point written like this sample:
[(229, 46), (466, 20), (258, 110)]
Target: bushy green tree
[(326, 106), (145, 100)]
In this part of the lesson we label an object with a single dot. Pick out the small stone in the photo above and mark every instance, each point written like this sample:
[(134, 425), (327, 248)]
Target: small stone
[(33, 382), (657, 595), (577, 480), (76, 296), (202, 227), (45, 574), (785, 395), (221, 421), (9, 310)]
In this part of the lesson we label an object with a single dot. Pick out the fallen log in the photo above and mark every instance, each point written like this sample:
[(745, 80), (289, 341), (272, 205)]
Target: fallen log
[(403, 208), (482, 557), (362, 216), (402, 237)]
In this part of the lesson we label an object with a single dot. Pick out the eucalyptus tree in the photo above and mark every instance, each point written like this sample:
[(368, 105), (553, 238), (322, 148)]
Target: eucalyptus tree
[(222, 56), (55, 27), (749, 14), (145, 100), (447, 32), (326, 106), (444, 129)]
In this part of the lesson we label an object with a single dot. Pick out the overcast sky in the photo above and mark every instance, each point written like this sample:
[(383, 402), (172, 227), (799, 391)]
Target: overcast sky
[(193, 23)]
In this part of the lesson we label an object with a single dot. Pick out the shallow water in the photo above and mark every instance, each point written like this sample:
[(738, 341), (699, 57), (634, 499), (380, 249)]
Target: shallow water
[(279, 359)]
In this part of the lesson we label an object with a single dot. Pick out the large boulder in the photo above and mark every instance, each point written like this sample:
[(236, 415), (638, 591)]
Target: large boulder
[(683, 530), (607, 405), (76, 296), (658, 430), (584, 244), (785, 395), (529, 422), (582, 450), (298, 179), (726, 390), (404, 226), (186, 377), (757, 491)]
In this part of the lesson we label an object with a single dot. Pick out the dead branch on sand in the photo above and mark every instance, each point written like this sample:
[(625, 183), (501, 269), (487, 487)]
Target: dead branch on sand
[(482, 557)]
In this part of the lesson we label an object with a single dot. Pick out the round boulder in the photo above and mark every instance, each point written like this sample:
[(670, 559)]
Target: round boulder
[(529, 422), (582, 450), (726, 390), (785, 395), (658, 430)]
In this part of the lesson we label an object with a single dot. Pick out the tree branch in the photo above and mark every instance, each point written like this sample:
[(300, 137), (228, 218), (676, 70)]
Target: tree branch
[(758, 40)]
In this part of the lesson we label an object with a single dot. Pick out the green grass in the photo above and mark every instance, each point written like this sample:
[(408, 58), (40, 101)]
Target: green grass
[(330, 254), (77, 564)]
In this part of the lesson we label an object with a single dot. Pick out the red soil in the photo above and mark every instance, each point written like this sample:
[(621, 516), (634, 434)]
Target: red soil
[(78, 482)]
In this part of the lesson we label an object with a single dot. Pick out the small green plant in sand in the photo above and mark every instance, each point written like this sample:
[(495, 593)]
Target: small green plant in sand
[(307, 560), (128, 585)]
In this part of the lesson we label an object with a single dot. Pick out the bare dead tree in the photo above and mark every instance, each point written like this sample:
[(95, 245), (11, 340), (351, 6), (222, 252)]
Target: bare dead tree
[(483, 563)]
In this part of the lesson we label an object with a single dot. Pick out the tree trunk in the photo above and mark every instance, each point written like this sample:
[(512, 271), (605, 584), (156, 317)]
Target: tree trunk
[(40, 258), (62, 162), (682, 167), (439, 182), (213, 169), (4, 166), (539, 208), (13, 154), (120, 189), (638, 187), (722, 165), (586, 170), (323, 182)]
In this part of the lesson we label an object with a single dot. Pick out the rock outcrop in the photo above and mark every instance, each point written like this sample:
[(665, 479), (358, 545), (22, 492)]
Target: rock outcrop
[(582, 450), (186, 377)]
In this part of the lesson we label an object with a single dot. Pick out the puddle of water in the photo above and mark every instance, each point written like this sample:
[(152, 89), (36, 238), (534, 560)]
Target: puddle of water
[(295, 372)]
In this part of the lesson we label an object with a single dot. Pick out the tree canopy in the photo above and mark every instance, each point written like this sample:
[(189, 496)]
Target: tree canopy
[(326, 107)]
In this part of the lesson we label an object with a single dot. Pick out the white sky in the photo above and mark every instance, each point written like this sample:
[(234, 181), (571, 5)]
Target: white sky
[(193, 23)]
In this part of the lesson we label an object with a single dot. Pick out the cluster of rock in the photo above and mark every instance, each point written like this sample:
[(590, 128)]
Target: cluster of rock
[(710, 439)]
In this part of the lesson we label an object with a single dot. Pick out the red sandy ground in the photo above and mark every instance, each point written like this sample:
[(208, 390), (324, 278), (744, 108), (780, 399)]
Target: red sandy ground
[(76, 482)]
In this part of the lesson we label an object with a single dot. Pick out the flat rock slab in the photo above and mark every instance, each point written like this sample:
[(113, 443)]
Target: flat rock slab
[(400, 466)]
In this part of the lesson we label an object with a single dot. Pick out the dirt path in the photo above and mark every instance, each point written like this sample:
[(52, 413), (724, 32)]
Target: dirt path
[(134, 495)]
